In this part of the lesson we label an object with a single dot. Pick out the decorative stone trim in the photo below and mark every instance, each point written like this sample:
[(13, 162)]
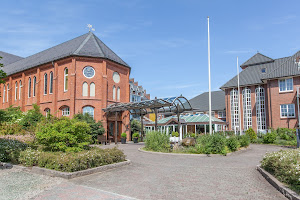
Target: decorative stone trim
[(288, 193)]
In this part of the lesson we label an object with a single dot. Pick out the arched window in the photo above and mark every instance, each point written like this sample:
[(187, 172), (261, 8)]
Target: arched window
[(16, 90), (20, 89), (66, 74), (260, 108), (4, 93), (47, 112), (247, 111), (34, 86), (7, 92), (45, 83), (234, 107), (29, 87), (92, 89), (114, 92), (85, 89), (66, 111), (89, 110), (118, 94), (51, 83)]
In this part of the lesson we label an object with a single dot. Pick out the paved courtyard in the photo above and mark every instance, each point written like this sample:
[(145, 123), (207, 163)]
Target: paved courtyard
[(154, 176)]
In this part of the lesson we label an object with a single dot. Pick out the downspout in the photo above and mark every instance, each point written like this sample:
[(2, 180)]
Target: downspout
[(270, 102)]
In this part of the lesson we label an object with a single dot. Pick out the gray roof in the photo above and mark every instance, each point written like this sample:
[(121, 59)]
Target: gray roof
[(8, 58), (257, 59), (201, 102), (253, 75), (85, 45)]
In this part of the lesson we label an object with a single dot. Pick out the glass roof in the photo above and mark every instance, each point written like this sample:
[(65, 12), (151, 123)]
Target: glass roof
[(165, 105)]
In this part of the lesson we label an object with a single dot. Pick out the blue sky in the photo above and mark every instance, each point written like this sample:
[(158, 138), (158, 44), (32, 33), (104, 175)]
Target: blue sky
[(164, 41)]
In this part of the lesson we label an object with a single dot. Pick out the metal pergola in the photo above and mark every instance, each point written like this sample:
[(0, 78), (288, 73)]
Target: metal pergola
[(172, 105)]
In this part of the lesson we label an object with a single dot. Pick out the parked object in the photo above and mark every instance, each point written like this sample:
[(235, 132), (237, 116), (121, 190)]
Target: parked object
[(135, 137), (123, 138), (102, 139)]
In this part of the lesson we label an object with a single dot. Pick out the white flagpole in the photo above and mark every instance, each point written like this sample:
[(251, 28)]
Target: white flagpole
[(239, 103), (209, 84)]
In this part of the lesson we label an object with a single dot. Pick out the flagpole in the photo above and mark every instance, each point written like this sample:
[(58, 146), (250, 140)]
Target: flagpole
[(239, 103), (209, 82)]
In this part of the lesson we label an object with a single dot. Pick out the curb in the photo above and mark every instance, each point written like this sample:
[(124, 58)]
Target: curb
[(70, 175), (288, 193), (199, 155)]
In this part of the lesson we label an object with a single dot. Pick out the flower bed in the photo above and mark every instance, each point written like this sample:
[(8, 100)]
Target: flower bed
[(285, 166)]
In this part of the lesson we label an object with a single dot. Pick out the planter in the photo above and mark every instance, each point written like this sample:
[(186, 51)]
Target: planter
[(135, 140), (123, 140), (174, 139)]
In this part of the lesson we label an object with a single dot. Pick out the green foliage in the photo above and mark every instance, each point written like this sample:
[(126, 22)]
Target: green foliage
[(71, 161), (232, 143), (251, 134), (96, 127), (193, 135), (286, 134), (244, 140), (284, 165), (269, 138), (229, 133), (10, 150), (175, 134), (135, 125), (31, 118), (123, 135), (64, 135), (11, 115), (11, 129), (157, 141), (2, 73), (212, 144), (136, 135)]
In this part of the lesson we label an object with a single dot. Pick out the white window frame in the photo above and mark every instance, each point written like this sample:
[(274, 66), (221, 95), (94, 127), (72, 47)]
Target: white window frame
[(34, 86), (47, 112), (16, 90), (260, 108), (29, 87), (287, 110), (92, 89), (247, 108), (4, 92), (234, 108), (51, 83), (45, 83), (285, 85), (89, 111), (66, 80), (222, 115), (85, 89), (114, 92), (20, 89), (7, 93), (118, 94), (66, 111)]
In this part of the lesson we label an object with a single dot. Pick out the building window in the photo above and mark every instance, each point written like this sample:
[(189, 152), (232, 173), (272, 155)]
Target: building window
[(287, 110), (247, 112), (114, 92), (47, 112), (45, 83), (16, 90), (234, 107), (4, 93), (7, 92), (92, 89), (260, 108), (66, 111), (89, 110), (85, 89), (118, 94), (51, 83), (286, 85), (20, 89), (34, 86), (66, 74), (29, 87), (221, 114)]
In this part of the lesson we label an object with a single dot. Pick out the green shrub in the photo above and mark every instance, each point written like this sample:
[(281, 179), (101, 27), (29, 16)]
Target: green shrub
[(193, 135), (175, 134), (229, 133), (251, 134), (31, 118), (244, 140), (136, 135), (11, 129), (157, 141), (64, 135), (11, 114), (232, 143), (269, 138), (286, 134), (71, 161), (135, 125), (284, 165), (123, 135), (212, 144), (10, 150)]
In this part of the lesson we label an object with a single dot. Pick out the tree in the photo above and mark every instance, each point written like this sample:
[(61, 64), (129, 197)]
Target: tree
[(2, 73), (135, 126)]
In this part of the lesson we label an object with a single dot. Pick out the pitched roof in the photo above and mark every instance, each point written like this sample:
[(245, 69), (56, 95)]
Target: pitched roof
[(253, 74), (8, 58), (201, 102), (85, 45), (258, 58)]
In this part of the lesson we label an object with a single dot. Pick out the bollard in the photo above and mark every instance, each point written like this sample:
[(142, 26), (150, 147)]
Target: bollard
[(298, 137)]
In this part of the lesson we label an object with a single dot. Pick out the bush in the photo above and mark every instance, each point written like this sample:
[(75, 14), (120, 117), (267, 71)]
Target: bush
[(136, 135), (193, 135), (31, 118), (212, 144), (269, 138), (135, 125), (232, 143), (286, 134), (244, 140), (175, 134), (251, 134), (284, 165), (11, 129), (123, 135), (11, 114), (157, 141), (10, 150), (64, 135), (71, 161)]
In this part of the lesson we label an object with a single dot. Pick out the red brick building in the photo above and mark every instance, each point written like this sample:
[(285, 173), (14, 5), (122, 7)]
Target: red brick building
[(268, 93), (81, 75)]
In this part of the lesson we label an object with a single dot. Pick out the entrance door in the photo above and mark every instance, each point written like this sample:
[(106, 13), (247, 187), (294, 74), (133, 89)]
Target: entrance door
[(111, 131)]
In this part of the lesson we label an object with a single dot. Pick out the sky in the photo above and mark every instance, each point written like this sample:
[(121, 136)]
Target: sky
[(163, 41)]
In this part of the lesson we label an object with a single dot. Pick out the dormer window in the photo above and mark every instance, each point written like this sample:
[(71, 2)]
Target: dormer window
[(263, 70)]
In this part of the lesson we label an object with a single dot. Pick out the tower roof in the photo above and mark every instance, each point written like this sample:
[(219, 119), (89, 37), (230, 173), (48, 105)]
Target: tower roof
[(258, 58)]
